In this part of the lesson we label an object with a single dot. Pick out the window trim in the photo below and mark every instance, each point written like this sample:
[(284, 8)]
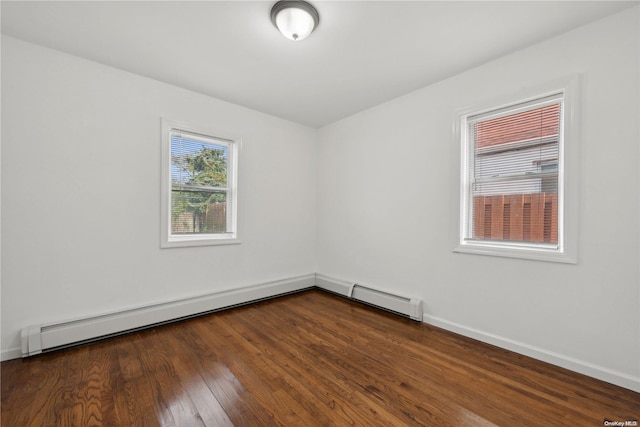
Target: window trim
[(168, 240), (568, 177)]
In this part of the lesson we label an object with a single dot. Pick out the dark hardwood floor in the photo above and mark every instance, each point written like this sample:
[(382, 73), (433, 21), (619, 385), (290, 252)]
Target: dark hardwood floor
[(309, 359)]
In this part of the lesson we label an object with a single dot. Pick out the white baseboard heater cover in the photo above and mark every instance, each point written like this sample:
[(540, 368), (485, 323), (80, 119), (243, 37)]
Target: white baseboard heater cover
[(51, 336), (40, 338), (388, 300)]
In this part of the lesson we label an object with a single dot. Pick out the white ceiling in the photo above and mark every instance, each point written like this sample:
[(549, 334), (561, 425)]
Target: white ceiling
[(362, 53)]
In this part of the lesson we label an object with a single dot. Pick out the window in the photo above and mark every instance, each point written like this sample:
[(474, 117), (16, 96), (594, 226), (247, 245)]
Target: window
[(513, 179), (199, 187)]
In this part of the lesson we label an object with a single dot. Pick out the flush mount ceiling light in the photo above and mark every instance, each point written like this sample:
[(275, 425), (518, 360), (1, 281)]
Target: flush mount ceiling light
[(295, 19)]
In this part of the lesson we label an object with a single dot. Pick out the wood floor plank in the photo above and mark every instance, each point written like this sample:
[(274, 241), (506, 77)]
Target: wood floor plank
[(308, 359), (224, 385), (248, 364), (172, 404), (138, 410), (479, 372), (295, 376), (205, 403), (406, 382), (51, 374), (332, 356), (92, 392), (124, 408)]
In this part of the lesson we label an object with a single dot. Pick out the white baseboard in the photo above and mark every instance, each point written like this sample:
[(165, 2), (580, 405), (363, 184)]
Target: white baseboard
[(614, 377), (38, 338), (11, 353)]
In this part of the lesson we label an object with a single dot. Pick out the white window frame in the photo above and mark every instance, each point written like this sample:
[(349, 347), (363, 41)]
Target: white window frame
[(233, 142), (566, 251)]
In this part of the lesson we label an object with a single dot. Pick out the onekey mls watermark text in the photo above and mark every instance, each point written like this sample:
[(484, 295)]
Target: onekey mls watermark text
[(625, 423)]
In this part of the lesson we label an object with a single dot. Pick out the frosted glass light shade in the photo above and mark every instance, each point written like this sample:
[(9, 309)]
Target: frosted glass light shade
[(295, 19), (294, 24)]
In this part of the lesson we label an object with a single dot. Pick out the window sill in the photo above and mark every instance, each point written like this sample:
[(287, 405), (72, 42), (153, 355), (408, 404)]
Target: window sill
[(191, 241), (523, 252)]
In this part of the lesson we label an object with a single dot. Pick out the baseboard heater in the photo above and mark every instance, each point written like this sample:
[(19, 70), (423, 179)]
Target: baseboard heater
[(46, 337), (387, 300), (37, 339)]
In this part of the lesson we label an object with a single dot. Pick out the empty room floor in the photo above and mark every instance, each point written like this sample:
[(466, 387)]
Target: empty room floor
[(307, 359)]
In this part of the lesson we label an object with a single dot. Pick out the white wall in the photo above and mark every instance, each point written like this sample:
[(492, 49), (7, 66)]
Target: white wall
[(81, 192), (388, 194), (81, 198)]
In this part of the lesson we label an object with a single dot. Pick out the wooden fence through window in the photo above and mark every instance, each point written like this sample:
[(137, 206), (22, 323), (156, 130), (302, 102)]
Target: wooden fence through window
[(214, 220), (516, 217)]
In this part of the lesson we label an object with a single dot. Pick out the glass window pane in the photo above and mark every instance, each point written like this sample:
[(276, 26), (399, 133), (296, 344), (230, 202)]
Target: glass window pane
[(194, 162), (199, 165), (198, 212), (514, 175)]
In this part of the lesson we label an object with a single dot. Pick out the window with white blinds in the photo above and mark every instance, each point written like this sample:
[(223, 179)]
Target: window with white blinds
[(199, 176), (512, 164)]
